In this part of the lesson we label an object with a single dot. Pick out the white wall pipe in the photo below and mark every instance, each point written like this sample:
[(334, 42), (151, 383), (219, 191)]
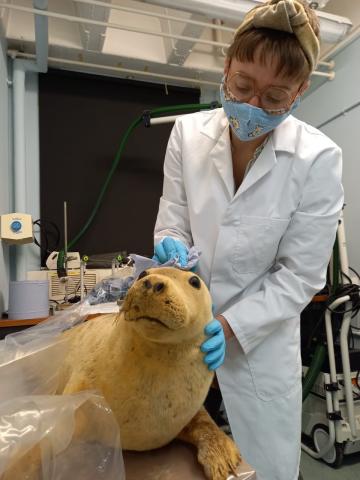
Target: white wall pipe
[(20, 67), (160, 76), (138, 11)]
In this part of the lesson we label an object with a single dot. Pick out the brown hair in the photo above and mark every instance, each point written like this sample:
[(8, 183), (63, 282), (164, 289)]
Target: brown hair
[(275, 44)]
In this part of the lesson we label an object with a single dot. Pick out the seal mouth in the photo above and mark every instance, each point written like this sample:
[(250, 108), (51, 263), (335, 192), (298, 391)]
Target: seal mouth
[(153, 320)]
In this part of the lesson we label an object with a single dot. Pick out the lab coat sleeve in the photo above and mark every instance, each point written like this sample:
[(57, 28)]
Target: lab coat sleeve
[(302, 259), (173, 215)]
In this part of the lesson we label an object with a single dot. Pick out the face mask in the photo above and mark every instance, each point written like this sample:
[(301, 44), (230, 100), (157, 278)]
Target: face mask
[(249, 122)]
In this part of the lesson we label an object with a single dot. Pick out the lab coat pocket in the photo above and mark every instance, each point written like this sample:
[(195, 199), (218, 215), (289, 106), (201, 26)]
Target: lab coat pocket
[(275, 365), (257, 242)]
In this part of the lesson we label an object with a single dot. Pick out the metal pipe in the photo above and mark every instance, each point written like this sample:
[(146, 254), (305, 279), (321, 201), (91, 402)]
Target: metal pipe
[(19, 129), (329, 65), (168, 119), (19, 155), (344, 347), (344, 259), (41, 36), (154, 14), (72, 18), (193, 81), (65, 238), (82, 274), (329, 75), (330, 346), (331, 440)]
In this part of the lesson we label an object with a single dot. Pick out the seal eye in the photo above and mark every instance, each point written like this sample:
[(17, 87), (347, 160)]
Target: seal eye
[(143, 274), (195, 282)]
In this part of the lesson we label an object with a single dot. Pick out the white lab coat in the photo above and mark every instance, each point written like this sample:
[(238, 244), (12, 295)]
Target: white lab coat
[(265, 251)]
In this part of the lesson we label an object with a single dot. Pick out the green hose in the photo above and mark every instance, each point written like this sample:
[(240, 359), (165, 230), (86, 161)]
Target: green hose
[(314, 370), (336, 266), (156, 112)]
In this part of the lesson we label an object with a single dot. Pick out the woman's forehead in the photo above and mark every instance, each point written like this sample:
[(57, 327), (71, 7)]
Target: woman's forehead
[(263, 72)]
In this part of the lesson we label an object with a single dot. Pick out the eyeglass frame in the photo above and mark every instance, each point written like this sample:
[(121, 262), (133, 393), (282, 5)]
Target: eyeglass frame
[(279, 111)]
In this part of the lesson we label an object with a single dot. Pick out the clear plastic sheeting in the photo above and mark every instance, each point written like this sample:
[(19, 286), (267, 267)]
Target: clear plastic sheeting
[(40, 340), (59, 437), (44, 436), (35, 372)]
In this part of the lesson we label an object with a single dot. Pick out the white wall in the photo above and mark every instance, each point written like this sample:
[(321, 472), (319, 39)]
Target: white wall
[(5, 170), (329, 100)]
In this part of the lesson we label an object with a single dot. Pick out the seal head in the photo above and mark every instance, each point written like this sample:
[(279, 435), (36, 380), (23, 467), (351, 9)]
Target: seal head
[(167, 305)]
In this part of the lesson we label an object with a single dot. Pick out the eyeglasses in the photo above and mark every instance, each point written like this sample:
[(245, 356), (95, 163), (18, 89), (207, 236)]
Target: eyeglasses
[(274, 100)]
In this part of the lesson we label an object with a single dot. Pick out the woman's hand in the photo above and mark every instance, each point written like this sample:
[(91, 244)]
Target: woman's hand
[(215, 346), (170, 248)]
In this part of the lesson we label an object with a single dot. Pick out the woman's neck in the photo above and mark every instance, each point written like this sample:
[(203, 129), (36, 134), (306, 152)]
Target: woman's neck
[(240, 147)]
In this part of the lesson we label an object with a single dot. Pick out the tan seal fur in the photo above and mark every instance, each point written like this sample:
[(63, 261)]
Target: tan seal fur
[(147, 363)]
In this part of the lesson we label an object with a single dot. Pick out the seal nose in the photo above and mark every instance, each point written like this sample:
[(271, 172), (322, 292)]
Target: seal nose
[(159, 287)]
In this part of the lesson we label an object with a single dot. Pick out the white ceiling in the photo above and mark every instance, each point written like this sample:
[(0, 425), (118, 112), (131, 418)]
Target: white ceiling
[(123, 53)]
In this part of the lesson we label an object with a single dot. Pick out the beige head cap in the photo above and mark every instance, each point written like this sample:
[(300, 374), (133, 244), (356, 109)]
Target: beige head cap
[(287, 16)]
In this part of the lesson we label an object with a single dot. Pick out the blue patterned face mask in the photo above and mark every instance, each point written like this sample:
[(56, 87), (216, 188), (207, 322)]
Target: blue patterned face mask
[(249, 122)]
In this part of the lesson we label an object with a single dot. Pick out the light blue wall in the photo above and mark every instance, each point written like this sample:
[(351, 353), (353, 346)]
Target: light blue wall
[(329, 100), (5, 170)]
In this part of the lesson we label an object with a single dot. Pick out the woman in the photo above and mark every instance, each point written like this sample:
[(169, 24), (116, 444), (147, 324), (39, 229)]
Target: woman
[(259, 192)]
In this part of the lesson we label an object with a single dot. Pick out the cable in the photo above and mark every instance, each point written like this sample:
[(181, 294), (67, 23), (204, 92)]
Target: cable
[(354, 271), (45, 234), (347, 277), (156, 112)]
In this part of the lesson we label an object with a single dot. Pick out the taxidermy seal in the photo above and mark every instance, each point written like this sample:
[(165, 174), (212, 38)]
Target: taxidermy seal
[(147, 363)]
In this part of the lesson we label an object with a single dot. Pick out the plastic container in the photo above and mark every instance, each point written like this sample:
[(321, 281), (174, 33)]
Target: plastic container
[(28, 299)]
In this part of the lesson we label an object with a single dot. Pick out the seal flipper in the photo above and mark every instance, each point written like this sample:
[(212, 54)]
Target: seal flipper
[(217, 453)]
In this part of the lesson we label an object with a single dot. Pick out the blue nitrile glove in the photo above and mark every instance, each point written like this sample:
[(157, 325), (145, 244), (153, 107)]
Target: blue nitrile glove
[(215, 346), (170, 248)]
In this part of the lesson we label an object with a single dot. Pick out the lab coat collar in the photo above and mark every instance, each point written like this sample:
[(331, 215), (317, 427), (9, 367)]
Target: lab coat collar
[(220, 155), (264, 164), (283, 137), (216, 127)]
